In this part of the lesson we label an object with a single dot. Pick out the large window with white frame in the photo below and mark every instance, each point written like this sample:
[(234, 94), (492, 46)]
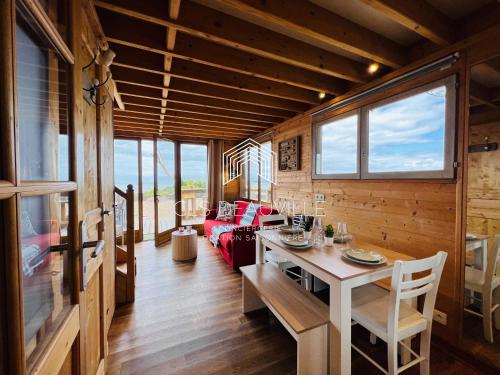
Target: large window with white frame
[(411, 135)]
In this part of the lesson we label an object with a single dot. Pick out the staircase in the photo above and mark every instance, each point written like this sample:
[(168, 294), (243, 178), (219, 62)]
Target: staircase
[(125, 246)]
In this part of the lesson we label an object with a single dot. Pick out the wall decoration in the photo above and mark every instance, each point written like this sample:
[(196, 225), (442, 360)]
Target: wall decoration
[(289, 154)]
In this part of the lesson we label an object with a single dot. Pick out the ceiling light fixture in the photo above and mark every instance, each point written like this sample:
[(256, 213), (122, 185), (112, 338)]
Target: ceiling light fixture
[(321, 95), (373, 68)]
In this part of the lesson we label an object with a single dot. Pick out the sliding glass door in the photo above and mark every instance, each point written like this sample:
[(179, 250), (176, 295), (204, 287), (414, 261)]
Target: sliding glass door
[(165, 189), (194, 183)]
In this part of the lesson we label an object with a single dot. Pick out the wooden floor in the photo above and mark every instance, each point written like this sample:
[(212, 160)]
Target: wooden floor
[(187, 320)]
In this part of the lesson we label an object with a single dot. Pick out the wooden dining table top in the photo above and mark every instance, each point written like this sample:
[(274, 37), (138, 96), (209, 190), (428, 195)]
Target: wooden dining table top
[(329, 258)]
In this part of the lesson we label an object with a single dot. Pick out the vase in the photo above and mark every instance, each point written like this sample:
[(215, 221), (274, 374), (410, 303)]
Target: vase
[(307, 235), (329, 241)]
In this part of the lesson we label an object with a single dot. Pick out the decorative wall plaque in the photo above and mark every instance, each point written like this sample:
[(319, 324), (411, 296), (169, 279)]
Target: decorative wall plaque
[(289, 154)]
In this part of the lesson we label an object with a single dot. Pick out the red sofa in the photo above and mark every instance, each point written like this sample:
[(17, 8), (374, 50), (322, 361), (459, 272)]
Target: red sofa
[(238, 246)]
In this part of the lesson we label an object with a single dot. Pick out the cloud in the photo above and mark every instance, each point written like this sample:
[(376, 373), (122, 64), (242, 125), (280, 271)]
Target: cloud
[(339, 142), (405, 135)]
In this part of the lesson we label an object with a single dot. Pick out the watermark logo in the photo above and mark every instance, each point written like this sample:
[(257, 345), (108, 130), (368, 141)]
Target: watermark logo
[(249, 152)]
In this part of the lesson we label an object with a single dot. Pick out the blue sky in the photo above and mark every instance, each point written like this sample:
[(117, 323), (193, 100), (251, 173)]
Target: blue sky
[(193, 159), (405, 135)]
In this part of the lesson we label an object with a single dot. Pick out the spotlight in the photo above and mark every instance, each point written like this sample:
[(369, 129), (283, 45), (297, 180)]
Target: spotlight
[(373, 68), (321, 95)]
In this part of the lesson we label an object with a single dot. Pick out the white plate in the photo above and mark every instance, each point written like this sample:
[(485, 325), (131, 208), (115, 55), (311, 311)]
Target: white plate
[(298, 244), (290, 229), (379, 262), (364, 255)]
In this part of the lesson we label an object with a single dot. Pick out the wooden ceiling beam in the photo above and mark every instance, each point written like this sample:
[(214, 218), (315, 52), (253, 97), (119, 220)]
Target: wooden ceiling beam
[(179, 128), (484, 117), (482, 95), (418, 16), (207, 53), (218, 77), (312, 21), (176, 97), (200, 110), (191, 71), (119, 117), (138, 133), (211, 91), (179, 131), (205, 23), (193, 116)]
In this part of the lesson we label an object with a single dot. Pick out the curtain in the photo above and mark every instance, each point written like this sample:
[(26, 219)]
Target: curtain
[(215, 188)]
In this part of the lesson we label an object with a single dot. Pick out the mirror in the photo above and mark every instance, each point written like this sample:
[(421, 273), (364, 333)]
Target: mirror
[(481, 316)]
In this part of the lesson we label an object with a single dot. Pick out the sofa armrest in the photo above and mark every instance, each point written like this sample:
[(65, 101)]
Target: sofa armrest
[(211, 214)]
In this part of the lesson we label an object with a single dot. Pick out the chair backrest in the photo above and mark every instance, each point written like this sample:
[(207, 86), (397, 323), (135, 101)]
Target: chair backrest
[(404, 288), (272, 221), (492, 264)]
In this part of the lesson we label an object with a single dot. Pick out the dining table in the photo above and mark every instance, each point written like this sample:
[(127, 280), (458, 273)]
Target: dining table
[(327, 263)]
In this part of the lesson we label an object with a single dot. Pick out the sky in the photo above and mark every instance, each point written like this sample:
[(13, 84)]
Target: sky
[(193, 162), (405, 135)]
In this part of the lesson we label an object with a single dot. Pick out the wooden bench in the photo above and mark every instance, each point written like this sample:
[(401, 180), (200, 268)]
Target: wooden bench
[(302, 314)]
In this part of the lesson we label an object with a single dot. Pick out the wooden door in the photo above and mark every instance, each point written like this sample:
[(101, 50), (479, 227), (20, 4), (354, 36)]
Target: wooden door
[(166, 189), (56, 187), (97, 231)]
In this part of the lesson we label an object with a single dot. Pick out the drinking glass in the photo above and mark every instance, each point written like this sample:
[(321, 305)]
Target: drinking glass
[(318, 231)]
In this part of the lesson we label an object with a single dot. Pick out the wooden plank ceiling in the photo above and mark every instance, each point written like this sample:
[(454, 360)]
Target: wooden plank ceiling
[(229, 69)]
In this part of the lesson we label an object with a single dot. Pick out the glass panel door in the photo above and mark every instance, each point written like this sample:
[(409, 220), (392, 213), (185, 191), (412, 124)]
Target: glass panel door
[(164, 191), (148, 205), (194, 184)]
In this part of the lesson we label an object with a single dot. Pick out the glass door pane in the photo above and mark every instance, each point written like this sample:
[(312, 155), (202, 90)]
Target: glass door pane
[(148, 186), (127, 170), (194, 185), (45, 267), (42, 103), (165, 187)]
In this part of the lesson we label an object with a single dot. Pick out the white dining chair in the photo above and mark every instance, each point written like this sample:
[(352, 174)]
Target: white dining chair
[(390, 316), (267, 222), (484, 282)]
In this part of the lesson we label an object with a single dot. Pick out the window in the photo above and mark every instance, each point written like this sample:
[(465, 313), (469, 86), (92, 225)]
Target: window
[(148, 186), (338, 147), (194, 183), (265, 184), (252, 185), (127, 170), (46, 272), (166, 196), (253, 166), (42, 107), (411, 135)]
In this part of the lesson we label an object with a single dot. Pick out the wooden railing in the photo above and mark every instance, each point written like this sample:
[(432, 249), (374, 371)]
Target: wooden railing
[(125, 256)]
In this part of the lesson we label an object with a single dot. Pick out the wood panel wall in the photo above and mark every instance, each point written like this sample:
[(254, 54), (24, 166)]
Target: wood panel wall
[(415, 218), (483, 192)]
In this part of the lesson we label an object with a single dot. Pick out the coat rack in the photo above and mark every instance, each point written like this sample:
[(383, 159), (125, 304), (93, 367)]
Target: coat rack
[(484, 147), (91, 85)]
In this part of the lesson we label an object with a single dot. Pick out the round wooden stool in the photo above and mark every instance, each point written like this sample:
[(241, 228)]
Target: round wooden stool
[(184, 245)]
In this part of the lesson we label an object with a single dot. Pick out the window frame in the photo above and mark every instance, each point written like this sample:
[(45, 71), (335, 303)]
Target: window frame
[(247, 182), (316, 144), (450, 136), (448, 172)]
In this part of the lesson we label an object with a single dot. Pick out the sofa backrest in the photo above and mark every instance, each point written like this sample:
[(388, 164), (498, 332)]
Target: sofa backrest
[(241, 207)]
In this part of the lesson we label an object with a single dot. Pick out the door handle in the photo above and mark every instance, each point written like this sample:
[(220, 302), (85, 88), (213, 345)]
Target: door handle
[(99, 247)]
